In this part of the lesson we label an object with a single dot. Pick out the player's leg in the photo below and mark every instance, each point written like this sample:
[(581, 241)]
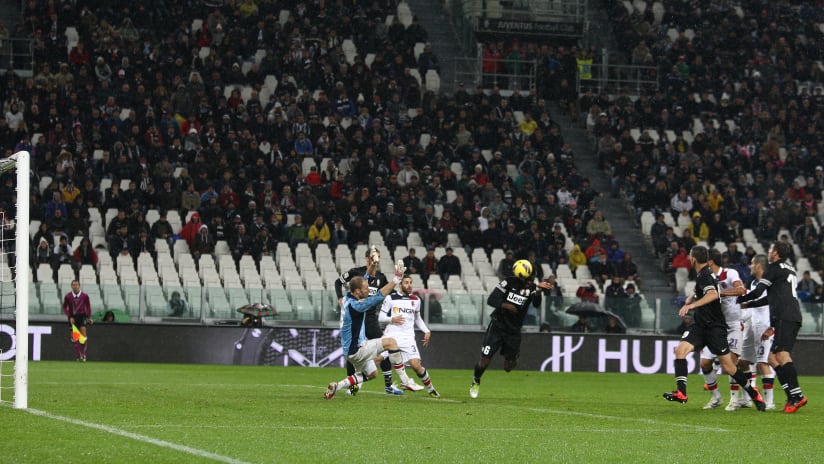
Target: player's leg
[(395, 358), (762, 358), (708, 369), (691, 338), (735, 386), (491, 344), (511, 350), (781, 360), (735, 336), (368, 371), (373, 330), (411, 357), (423, 375), (746, 367), (767, 384), (784, 341), (730, 368)]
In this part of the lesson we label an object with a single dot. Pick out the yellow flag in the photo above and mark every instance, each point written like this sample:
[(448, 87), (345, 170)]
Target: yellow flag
[(77, 336)]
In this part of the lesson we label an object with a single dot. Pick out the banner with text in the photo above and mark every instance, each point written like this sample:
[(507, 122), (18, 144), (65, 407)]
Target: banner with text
[(315, 347)]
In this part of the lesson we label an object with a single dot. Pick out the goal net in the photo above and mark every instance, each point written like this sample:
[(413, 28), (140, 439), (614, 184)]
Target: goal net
[(14, 280)]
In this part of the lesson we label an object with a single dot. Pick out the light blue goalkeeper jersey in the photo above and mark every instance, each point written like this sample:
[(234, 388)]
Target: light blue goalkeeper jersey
[(352, 330)]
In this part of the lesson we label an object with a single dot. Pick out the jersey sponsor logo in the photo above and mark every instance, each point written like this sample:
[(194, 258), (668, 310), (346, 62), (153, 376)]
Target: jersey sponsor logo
[(517, 300), (397, 309), (373, 291)]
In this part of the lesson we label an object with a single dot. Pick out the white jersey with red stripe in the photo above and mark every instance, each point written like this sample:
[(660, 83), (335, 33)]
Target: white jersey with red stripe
[(726, 280)]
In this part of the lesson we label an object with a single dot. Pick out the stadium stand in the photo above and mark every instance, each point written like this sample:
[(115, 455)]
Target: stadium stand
[(216, 98)]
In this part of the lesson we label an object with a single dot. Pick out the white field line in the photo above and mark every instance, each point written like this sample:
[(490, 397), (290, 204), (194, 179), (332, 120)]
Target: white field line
[(135, 436)]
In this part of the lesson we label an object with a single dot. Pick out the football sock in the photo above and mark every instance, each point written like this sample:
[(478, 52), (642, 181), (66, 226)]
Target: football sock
[(781, 375), (767, 386), (84, 347), (479, 371), (741, 379), (396, 358), (350, 369), (792, 380), (386, 368), (351, 380), (711, 379), (753, 380), (77, 349), (425, 379), (734, 389), (713, 388), (681, 375)]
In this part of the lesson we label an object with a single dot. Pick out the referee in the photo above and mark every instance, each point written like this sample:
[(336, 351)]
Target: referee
[(709, 328), (785, 319)]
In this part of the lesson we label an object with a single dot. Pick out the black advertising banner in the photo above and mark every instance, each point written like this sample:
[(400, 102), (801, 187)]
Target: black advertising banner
[(315, 347), (515, 27)]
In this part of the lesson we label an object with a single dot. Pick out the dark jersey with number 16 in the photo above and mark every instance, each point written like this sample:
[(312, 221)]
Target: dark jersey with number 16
[(711, 313), (780, 278), (517, 292)]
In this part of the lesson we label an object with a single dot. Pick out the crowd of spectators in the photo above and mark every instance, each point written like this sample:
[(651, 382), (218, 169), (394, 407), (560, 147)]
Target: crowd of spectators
[(741, 88), (239, 162), (136, 100)]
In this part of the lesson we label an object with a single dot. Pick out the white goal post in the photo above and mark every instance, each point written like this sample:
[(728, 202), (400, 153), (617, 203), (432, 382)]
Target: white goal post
[(20, 272)]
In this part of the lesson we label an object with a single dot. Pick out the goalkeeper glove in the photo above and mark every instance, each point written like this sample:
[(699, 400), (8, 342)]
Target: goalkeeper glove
[(399, 270)]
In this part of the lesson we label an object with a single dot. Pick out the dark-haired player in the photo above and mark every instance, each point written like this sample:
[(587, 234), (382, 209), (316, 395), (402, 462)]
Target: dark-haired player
[(709, 328), (785, 319), (511, 299), (730, 288)]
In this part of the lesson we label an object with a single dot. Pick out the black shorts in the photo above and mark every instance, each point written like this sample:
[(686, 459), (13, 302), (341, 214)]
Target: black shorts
[(785, 335), (713, 337), (497, 339), (80, 320)]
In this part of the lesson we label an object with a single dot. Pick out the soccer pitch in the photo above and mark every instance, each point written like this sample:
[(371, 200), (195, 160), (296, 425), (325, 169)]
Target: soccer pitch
[(160, 413)]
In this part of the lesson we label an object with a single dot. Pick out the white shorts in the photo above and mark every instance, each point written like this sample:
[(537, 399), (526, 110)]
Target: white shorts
[(753, 348), (408, 347), (364, 359), (735, 338)]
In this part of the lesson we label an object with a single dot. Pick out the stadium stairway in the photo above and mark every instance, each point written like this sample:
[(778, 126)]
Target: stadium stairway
[(654, 282), (434, 17)]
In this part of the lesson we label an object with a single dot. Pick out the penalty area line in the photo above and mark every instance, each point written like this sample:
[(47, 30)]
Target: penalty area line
[(135, 436)]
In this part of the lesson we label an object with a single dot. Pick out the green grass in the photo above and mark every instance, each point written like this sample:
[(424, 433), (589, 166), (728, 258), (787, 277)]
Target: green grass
[(157, 413)]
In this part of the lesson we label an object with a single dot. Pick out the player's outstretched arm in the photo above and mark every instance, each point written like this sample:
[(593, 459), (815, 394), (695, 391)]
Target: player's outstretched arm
[(399, 270)]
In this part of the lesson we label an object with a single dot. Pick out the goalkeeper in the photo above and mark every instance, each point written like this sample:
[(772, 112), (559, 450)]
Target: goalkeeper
[(358, 349), (375, 280)]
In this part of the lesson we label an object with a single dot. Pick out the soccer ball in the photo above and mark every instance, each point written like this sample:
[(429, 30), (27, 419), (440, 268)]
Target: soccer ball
[(522, 269)]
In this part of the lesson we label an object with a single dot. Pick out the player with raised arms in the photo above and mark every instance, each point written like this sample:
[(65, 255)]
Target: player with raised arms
[(357, 348), (511, 299), (375, 280)]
